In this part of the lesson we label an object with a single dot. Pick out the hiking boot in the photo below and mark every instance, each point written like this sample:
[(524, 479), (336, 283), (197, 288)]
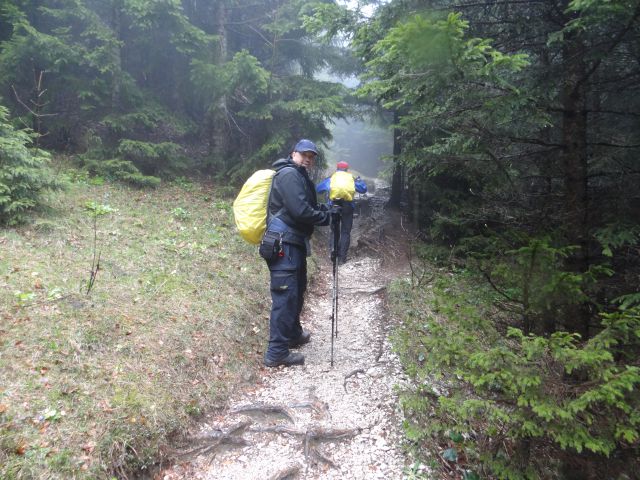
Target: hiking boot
[(303, 339), (288, 361)]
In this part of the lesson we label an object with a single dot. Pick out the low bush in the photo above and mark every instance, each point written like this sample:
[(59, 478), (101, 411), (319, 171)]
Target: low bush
[(122, 170), (511, 405), (24, 173)]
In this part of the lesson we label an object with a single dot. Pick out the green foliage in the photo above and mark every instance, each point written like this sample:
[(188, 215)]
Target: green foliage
[(148, 120), (122, 170), (330, 20), (242, 77), (68, 44), (98, 209), (24, 173), (170, 72), (613, 237), (533, 277), (626, 301), (457, 101), (450, 62), (506, 390), (153, 158), (24, 298), (180, 213)]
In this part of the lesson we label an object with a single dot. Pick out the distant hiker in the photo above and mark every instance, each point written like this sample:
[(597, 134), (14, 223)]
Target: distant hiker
[(341, 187), (293, 211)]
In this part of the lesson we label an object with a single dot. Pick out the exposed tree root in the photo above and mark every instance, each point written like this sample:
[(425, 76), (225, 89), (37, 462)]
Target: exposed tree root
[(351, 374), (379, 351), (320, 434), (214, 439), (383, 322), (318, 455), (265, 409), (308, 404), (281, 429), (320, 409), (366, 292), (287, 473), (312, 437)]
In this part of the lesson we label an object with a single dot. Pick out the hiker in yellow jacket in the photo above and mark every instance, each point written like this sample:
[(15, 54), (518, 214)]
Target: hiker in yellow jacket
[(341, 187)]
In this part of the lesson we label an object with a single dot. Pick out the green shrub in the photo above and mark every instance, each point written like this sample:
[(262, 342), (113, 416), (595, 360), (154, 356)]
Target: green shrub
[(153, 158), (534, 281), (521, 403), (24, 175), (148, 118), (122, 170)]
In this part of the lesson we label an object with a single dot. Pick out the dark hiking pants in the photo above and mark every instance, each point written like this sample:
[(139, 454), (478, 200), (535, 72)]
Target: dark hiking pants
[(346, 223), (288, 285)]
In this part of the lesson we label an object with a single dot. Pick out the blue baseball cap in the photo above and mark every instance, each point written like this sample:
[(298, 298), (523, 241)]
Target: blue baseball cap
[(305, 145)]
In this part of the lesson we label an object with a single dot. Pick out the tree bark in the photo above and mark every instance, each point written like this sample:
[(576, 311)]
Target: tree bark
[(219, 130), (575, 163), (116, 15), (396, 181)]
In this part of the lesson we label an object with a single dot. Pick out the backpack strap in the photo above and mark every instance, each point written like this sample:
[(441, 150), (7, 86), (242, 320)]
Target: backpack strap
[(269, 197), (291, 235)]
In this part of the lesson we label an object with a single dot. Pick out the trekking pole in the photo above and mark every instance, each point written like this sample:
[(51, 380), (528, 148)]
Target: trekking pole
[(335, 220)]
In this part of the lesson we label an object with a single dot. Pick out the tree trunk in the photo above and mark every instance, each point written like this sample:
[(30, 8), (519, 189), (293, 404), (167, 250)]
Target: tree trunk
[(116, 14), (219, 130), (574, 136), (396, 181)]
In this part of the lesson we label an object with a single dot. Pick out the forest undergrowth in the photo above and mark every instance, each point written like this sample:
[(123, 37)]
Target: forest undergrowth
[(489, 400), (125, 315)]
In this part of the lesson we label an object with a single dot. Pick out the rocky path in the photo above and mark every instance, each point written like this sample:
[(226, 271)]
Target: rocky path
[(318, 421)]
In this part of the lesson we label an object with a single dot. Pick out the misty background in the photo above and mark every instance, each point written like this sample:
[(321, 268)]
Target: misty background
[(363, 145)]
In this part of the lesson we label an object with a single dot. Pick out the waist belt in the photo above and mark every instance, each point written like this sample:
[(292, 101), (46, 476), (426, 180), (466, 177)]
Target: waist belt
[(293, 238), (288, 234)]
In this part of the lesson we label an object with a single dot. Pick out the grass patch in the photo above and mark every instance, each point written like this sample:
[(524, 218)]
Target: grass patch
[(91, 385)]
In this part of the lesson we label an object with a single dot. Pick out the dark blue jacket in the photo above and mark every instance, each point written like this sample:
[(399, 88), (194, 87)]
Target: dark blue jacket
[(293, 198)]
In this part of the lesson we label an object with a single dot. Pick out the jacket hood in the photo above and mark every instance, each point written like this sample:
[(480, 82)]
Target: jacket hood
[(283, 162)]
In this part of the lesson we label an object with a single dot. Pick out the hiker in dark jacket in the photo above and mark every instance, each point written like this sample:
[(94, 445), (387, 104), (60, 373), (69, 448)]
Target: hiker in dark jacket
[(292, 213)]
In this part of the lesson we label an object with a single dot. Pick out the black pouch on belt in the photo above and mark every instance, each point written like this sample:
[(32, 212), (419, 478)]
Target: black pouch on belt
[(271, 245)]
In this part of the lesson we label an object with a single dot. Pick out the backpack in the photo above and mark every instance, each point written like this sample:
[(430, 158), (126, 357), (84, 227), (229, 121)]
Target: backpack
[(250, 206), (342, 186)]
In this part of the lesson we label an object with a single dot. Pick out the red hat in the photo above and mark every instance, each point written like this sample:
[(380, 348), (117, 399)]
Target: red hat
[(342, 166)]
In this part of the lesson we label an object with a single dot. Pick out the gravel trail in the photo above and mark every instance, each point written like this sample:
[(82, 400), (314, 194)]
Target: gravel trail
[(316, 421)]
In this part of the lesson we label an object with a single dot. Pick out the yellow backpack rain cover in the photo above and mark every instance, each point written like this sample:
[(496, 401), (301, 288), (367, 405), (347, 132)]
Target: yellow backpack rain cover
[(342, 186), (250, 206)]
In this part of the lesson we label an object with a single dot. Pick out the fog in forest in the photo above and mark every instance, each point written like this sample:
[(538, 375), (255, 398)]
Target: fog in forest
[(361, 144)]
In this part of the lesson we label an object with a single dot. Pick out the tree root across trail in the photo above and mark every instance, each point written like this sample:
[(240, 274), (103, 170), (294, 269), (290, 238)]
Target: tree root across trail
[(316, 421)]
